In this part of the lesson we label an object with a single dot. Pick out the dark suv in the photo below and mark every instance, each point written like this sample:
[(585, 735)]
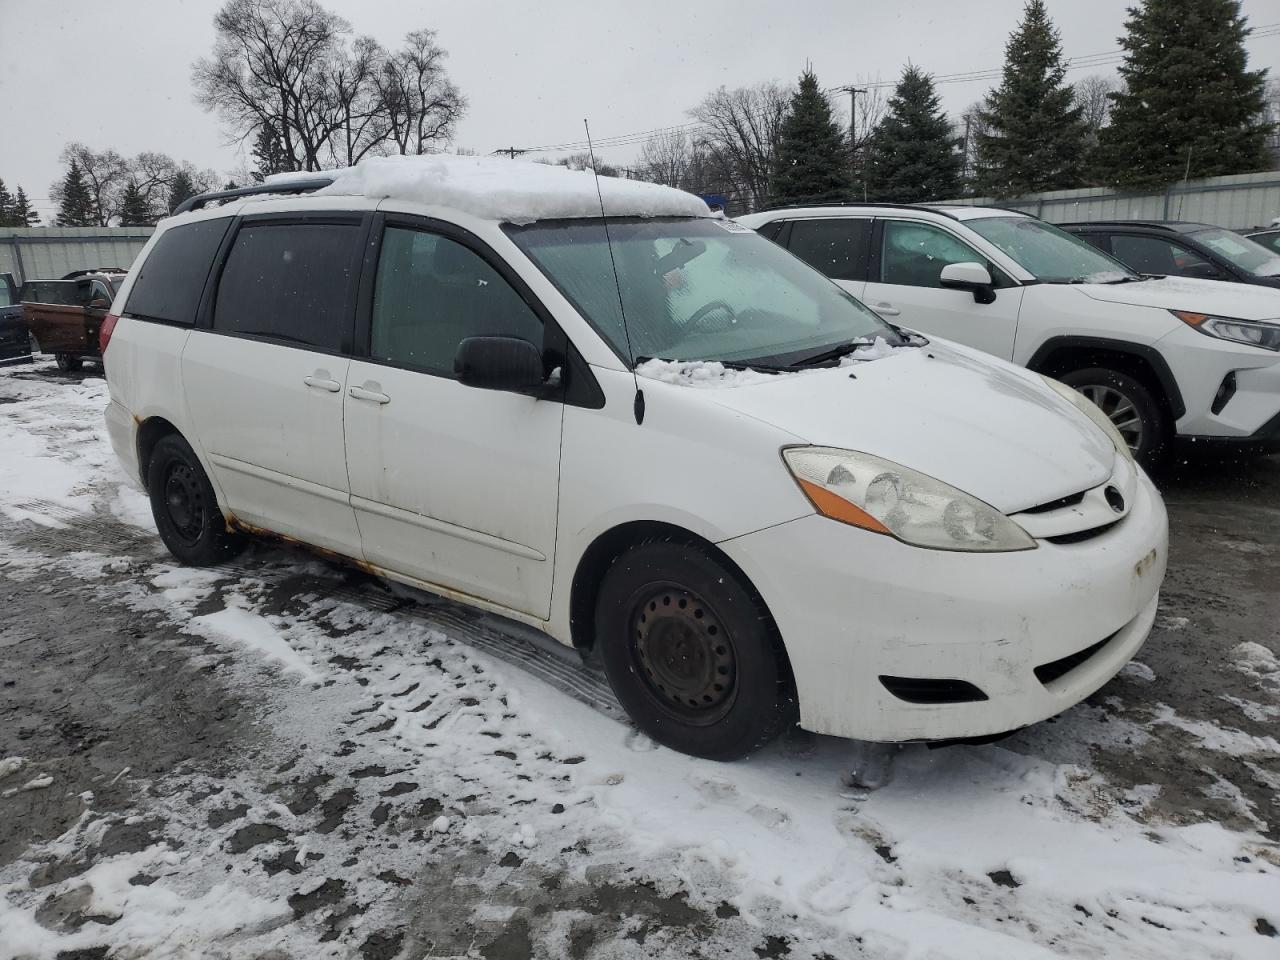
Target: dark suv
[(15, 341), (1176, 248)]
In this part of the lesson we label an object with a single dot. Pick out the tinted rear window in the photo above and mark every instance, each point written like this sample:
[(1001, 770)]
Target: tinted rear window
[(172, 277), (290, 282), (50, 291), (838, 247)]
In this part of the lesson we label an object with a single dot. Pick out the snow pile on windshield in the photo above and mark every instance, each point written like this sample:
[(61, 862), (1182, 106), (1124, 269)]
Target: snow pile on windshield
[(514, 191), (701, 373), (872, 350)]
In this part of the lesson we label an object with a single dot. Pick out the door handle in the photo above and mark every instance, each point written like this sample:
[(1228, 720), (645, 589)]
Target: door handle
[(888, 309), (320, 380), (364, 393)]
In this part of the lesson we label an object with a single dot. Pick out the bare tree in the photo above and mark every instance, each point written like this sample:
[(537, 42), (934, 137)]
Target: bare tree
[(1093, 94), (418, 101), (739, 128), (106, 174), (108, 177)]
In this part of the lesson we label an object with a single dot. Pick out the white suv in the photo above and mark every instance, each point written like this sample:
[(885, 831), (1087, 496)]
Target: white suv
[(1164, 357), (657, 437)]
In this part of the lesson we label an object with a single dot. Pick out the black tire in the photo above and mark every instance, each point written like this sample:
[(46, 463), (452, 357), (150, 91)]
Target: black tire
[(1137, 414), (68, 363), (185, 507), (691, 652)]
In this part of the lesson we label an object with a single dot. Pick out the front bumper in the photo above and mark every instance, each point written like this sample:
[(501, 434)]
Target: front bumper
[(1250, 416), (854, 606)]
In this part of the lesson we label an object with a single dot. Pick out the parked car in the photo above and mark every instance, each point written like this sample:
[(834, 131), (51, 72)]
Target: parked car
[(1164, 358), (1267, 238), (15, 342), (428, 368), (65, 316), (1175, 248)]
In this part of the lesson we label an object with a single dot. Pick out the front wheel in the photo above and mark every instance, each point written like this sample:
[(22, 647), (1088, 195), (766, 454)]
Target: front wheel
[(185, 507), (691, 653), (1130, 406), (68, 363)]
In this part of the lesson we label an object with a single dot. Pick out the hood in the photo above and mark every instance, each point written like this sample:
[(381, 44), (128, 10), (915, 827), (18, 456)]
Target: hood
[(979, 424), (1243, 301)]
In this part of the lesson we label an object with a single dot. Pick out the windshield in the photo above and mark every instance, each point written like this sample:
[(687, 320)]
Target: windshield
[(1241, 251), (696, 289), (1049, 254)]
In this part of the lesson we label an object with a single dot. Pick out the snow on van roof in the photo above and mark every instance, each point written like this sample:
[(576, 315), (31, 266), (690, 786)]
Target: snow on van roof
[(513, 191)]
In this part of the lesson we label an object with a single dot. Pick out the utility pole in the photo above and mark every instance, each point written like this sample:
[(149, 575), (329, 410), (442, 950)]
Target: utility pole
[(853, 133), (512, 151)]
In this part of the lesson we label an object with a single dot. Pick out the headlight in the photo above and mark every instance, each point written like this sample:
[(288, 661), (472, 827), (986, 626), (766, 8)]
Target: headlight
[(877, 495), (1091, 410), (1255, 333)]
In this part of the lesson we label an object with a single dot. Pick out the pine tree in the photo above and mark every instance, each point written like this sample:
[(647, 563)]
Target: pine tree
[(77, 207), (811, 163), (134, 209), (182, 188), (913, 154), (23, 214), (7, 218), (1035, 136), (269, 153), (1191, 105)]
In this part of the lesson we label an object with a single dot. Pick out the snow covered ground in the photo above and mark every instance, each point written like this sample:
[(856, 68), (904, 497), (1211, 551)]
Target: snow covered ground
[(382, 777)]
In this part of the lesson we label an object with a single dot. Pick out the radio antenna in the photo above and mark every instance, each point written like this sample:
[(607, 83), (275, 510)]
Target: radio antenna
[(638, 406)]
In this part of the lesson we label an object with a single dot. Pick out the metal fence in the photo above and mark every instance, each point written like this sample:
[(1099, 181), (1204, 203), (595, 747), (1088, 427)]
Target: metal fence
[(1236, 202), (43, 253)]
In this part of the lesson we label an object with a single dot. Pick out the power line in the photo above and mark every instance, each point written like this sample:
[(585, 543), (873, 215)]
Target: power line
[(1083, 62)]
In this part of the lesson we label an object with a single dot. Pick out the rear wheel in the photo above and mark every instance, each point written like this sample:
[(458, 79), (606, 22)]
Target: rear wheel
[(185, 507), (1129, 405), (691, 653), (68, 363)]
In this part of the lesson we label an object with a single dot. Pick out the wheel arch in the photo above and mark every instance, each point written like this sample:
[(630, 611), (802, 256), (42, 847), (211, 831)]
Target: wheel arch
[(150, 432), (1060, 355)]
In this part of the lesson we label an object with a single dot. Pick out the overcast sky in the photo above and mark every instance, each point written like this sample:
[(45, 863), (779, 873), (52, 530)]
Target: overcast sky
[(119, 75)]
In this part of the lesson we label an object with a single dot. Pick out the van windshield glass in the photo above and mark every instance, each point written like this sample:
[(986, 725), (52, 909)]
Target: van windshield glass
[(696, 289), (1049, 254)]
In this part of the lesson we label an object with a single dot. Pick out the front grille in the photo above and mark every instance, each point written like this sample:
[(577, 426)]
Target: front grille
[(1080, 536), (1069, 501), (927, 690), (1046, 673)]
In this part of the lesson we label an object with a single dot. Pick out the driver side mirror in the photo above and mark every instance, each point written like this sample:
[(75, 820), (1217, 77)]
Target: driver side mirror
[(98, 303), (969, 276), (500, 363)]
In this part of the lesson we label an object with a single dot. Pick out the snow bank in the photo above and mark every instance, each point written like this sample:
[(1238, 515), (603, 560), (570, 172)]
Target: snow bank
[(514, 191)]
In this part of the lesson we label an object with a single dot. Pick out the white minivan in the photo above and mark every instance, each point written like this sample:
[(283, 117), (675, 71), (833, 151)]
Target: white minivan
[(655, 436), (1169, 359)]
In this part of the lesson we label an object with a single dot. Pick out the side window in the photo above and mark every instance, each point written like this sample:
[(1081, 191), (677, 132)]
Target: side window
[(837, 246), (289, 282), (770, 231), (84, 292), (1099, 240), (431, 293), (171, 279), (915, 253), (100, 291), (1161, 256)]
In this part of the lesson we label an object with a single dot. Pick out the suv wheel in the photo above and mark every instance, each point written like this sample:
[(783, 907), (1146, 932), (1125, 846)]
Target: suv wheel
[(185, 507), (68, 363), (1131, 407), (690, 653)]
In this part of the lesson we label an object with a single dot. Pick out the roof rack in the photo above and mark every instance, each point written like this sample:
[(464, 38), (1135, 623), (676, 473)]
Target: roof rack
[(279, 186), (856, 203), (982, 206)]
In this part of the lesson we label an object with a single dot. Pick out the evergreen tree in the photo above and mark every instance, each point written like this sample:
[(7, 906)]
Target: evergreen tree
[(76, 208), (270, 154), (134, 209), (1191, 105), (6, 207), (181, 189), (913, 154), (23, 214), (811, 163), (1034, 135)]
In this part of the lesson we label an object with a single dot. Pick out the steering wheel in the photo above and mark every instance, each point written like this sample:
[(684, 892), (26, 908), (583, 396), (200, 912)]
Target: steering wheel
[(697, 320)]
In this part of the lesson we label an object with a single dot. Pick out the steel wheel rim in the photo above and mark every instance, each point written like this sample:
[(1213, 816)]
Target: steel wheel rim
[(184, 502), (683, 654), (1120, 410)]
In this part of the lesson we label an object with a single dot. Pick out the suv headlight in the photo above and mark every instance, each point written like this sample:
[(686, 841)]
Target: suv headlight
[(1092, 411), (877, 495), (1255, 333)]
